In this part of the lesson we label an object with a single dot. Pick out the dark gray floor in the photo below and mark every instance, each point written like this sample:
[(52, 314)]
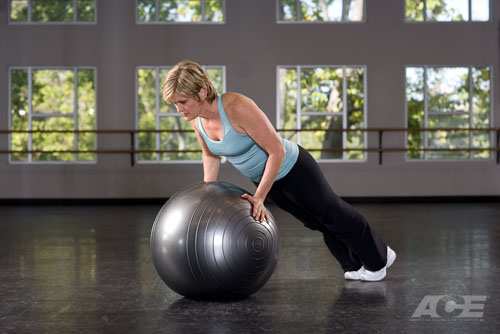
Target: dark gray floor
[(88, 270)]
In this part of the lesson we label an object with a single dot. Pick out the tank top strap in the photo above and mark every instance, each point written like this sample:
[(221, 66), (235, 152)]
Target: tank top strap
[(200, 127), (226, 125)]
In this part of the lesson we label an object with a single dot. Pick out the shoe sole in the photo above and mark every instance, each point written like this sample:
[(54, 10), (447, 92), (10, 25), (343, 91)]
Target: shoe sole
[(365, 279)]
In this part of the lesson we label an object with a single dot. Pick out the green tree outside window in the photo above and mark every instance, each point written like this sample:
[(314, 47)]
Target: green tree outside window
[(321, 10), (320, 99), (60, 99), (448, 97), (192, 11), (447, 10), (53, 11)]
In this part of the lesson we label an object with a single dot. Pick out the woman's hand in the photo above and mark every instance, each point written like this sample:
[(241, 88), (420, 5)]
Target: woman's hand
[(259, 210)]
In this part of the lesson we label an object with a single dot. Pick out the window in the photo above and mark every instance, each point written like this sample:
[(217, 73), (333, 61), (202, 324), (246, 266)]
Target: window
[(53, 11), (448, 97), (447, 10), (52, 99), (153, 113), (320, 10), (180, 11), (318, 99)]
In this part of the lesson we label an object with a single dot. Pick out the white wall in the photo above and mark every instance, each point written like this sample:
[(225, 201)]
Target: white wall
[(251, 45)]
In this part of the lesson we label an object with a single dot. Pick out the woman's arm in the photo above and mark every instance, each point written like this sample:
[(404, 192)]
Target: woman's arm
[(211, 162), (247, 116)]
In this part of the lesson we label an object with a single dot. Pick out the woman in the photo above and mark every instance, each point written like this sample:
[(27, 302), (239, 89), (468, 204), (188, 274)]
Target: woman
[(232, 125)]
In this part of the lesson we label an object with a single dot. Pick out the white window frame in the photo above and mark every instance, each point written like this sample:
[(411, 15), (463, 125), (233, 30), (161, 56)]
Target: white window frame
[(344, 110), (298, 21), (158, 115), (470, 158), (425, 21), (183, 23), (75, 16), (30, 160)]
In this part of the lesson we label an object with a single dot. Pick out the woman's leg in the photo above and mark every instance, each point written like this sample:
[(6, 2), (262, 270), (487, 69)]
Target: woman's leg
[(348, 260), (306, 187)]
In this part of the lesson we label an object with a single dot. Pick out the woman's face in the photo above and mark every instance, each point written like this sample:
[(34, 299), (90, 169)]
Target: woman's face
[(187, 106)]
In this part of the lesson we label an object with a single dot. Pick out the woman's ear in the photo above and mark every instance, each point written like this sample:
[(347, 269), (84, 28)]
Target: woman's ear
[(202, 93)]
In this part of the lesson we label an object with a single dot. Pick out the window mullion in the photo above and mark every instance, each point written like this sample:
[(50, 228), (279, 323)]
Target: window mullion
[(29, 11), (470, 10), (344, 110), (323, 113), (44, 115), (279, 124), (434, 113), (94, 77), (425, 11), (365, 106), (426, 141), (157, 112), (75, 8), (298, 14), (10, 115), (157, 11), (471, 114), (30, 107), (75, 112), (299, 116), (203, 4)]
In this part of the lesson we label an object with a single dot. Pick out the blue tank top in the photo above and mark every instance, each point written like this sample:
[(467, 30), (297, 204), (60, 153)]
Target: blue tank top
[(243, 152)]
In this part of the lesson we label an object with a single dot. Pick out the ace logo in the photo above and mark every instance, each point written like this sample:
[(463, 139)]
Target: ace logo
[(447, 307)]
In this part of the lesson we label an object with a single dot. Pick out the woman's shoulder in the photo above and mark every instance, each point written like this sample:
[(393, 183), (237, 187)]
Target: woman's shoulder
[(235, 101), (238, 107), (232, 97)]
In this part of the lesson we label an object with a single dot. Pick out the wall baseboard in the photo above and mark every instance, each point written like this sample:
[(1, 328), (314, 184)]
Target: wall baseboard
[(161, 201), (423, 199)]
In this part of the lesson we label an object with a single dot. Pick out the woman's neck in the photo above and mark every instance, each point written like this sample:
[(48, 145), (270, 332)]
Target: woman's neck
[(209, 110)]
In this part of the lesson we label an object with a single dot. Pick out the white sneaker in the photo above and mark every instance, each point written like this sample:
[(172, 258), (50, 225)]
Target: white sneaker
[(391, 257), (354, 275), (373, 276)]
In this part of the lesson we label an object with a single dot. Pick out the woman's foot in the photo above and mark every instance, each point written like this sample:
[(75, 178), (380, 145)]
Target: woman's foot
[(372, 276)]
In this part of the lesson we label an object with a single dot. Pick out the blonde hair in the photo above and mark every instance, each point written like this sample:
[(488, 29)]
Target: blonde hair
[(187, 78)]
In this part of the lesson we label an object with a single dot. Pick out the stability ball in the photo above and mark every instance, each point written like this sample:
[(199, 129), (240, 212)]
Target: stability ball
[(205, 244)]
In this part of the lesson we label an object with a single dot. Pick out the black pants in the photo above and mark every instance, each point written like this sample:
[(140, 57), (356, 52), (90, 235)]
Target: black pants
[(305, 193)]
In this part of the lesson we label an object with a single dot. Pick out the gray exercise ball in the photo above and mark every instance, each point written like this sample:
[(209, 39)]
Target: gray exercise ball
[(205, 243)]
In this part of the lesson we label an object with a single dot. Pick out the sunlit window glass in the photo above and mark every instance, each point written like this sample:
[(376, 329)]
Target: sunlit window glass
[(447, 10), (182, 11), (53, 11), (85, 10), (320, 10), (19, 10), (480, 10), (155, 114), (321, 102), (52, 100), (456, 102)]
